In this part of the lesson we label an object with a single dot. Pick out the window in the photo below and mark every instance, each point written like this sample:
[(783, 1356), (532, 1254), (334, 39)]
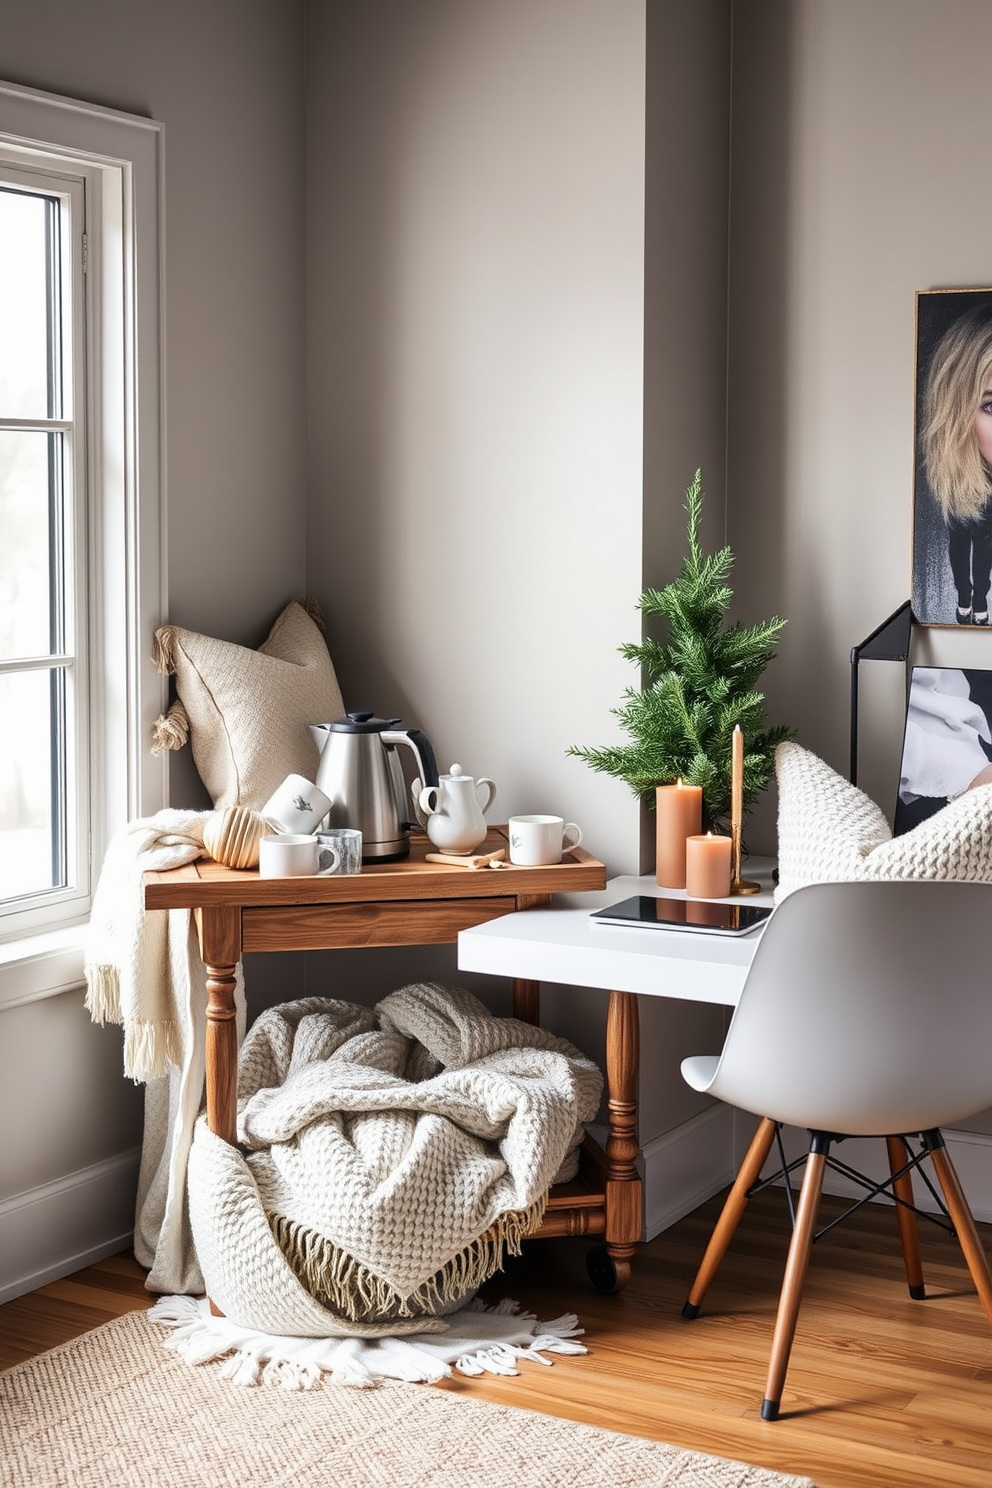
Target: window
[(44, 814), (81, 553)]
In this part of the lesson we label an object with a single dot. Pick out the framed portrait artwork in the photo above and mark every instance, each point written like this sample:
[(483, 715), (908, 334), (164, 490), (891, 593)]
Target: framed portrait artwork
[(947, 746), (952, 501)]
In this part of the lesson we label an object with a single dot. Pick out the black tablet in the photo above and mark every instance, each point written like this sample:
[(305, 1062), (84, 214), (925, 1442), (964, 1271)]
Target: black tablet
[(714, 916)]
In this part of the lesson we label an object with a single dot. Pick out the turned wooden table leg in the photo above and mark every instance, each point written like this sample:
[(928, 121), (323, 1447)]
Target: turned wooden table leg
[(220, 946), (623, 1183)]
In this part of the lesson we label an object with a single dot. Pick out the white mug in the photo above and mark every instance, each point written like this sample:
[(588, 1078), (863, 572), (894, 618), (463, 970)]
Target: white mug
[(346, 844), (540, 840), (296, 806), (295, 855)]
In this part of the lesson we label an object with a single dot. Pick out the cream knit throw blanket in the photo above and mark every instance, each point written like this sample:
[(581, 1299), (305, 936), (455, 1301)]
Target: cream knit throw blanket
[(143, 970), (393, 1155)]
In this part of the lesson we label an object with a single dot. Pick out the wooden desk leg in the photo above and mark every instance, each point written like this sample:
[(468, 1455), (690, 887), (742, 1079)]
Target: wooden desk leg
[(220, 946), (527, 1001), (623, 1183), (526, 994)]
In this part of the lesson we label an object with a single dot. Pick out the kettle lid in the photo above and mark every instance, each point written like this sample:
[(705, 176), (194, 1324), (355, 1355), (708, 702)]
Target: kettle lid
[(362, 721)]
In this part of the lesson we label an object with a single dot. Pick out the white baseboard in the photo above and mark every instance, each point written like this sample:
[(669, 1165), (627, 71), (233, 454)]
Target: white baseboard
[(683, 1168), (55, 1229)]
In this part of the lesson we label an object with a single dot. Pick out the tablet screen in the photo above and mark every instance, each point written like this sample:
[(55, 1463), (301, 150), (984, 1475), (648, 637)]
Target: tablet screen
[(715, 916)]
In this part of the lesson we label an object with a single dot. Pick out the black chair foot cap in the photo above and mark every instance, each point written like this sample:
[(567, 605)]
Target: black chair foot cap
[(690, 1311), (918, 1293), (769, 1410)]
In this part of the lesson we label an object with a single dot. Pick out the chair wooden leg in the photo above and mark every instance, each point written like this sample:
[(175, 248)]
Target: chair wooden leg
[(906, 1218), (730, 1216), (961, 1218), (795, 1274)]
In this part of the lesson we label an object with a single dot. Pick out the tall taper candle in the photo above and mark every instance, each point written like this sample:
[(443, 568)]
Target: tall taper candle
[(679, 809), (738, 885)]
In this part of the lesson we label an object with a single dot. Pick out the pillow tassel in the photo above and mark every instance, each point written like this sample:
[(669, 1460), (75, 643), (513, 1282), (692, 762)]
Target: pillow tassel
[(170, 730), (312, 608), (164, 658)]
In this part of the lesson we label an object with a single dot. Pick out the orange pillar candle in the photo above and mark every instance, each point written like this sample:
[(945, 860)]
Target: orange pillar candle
[(707, 867), (679, 810)]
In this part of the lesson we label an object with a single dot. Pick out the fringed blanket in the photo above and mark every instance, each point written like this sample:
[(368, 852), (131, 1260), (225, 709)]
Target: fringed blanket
[(144, 971), (392, 1156)]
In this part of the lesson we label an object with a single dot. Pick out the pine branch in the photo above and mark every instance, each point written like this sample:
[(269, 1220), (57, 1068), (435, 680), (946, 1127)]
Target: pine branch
[(696, 686)]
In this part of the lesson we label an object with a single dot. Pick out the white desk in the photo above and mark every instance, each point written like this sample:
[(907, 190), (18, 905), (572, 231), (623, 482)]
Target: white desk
[(564, 945)]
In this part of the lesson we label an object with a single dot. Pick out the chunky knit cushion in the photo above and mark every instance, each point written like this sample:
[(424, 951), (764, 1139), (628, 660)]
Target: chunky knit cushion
[(831, 832), (247, 712)]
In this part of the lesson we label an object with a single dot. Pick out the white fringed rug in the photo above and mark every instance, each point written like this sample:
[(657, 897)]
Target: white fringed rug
[(476, 1340), (114, 1409)]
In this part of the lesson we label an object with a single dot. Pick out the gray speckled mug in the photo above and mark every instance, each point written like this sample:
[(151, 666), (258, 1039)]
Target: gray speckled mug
[(347, 843)]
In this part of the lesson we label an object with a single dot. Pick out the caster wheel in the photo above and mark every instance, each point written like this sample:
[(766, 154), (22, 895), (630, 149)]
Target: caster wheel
[(602, 1270)]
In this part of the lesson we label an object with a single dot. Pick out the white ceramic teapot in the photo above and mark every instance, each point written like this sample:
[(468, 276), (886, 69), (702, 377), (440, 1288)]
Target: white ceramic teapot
[(455, 816)]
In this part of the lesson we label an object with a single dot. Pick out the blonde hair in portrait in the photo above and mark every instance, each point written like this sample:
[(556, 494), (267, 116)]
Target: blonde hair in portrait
[(960, 372)]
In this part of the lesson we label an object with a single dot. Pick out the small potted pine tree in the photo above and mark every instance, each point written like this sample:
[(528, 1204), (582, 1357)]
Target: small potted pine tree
[(697, 685)]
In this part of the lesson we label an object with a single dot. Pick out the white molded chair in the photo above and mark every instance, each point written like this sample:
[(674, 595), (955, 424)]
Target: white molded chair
[(867, 1011)]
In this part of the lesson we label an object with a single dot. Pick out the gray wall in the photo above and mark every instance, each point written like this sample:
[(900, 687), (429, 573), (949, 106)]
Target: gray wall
[(434, 297), (475, 316)]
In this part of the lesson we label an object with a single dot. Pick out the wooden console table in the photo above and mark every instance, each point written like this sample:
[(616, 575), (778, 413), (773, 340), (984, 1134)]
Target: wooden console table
[(412, 902)]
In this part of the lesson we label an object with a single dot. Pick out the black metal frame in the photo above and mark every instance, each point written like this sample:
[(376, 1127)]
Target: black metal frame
[(887, 642), (821, 1141)]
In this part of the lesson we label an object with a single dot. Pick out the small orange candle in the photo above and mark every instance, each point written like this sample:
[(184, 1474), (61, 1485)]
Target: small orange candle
[(679, 809), (707, 867)]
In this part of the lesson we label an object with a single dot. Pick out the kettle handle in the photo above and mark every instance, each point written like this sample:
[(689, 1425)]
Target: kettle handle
[(490, 792), (418, 741)]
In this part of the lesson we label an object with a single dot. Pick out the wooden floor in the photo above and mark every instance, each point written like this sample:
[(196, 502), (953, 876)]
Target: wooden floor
[(882, 1392)]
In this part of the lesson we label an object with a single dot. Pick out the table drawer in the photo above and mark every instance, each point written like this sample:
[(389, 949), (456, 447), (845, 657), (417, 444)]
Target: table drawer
[(335, 926)]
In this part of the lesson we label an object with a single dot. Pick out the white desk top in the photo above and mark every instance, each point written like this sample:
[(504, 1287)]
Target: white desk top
[(564, 945)]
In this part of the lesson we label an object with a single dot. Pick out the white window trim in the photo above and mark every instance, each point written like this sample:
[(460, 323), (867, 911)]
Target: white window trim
[(123, 156)]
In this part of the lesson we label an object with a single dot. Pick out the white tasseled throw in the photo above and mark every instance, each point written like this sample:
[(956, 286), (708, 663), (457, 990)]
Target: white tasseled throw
[(143, 970)]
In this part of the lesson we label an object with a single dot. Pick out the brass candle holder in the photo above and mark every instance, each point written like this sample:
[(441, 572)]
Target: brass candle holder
[(738, 885)]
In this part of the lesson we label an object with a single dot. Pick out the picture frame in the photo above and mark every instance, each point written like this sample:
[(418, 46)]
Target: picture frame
[(947, 743), (952, 509)]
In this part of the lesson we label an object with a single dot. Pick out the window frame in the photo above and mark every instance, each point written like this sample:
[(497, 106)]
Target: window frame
[(121, 159)]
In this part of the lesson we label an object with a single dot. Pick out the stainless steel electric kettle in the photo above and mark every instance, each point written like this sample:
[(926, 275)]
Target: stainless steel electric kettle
[(361, 774)]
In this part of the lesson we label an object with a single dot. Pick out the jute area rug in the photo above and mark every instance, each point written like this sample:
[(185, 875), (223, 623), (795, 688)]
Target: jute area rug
[(114, 1409)]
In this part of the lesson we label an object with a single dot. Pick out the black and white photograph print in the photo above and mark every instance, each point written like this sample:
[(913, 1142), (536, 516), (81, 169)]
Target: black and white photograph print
[(947, 747), (952, 509)]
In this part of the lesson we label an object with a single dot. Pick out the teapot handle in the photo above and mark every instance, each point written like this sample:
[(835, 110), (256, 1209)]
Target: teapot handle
[(424, 801), (490, 792)]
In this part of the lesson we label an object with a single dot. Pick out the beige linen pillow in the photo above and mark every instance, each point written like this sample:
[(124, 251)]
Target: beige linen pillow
[(831, 832), (247, 712)]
